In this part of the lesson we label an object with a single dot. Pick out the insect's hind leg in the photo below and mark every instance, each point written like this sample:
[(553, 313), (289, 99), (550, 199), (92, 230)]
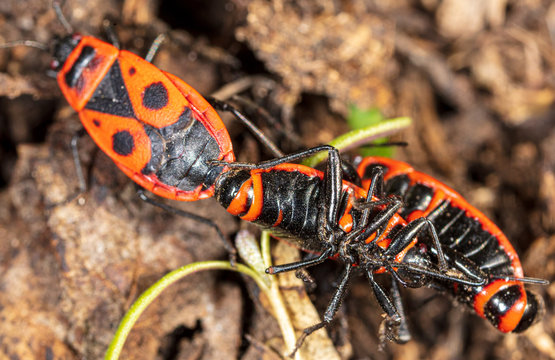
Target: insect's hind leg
[(395, 328), (331, 309)]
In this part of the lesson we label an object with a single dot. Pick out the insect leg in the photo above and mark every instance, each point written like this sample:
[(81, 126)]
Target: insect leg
[(264, 140), (154, 47), (403, 334), (332, 308), (273, 162), (409, 233), (332, 188), (77, 162), (276, 269), (385, 302), (109, 29)]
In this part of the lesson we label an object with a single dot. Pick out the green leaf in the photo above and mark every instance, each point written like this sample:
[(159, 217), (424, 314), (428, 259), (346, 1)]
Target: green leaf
[(358, 118)]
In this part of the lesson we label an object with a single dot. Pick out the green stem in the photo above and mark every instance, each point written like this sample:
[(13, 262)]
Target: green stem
[(131, 317), (365, 135)]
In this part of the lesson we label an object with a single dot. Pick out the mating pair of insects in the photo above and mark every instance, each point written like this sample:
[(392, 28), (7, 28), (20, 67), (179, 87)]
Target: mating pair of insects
[(385, 217)]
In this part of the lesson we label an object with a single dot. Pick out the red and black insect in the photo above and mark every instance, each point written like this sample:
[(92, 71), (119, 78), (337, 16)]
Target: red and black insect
[(467, 237), (322, 213), (156, 128)]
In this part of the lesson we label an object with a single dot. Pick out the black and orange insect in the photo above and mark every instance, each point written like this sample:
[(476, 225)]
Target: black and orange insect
[(324, 214), (468, 238), (156, 128)]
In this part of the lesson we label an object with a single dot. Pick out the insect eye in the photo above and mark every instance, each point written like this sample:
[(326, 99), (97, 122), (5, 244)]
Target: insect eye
[(54, 64)]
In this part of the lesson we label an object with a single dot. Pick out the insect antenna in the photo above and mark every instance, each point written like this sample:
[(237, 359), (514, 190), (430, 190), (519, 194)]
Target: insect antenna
[(526, 280), (57, 6), (29, 43)]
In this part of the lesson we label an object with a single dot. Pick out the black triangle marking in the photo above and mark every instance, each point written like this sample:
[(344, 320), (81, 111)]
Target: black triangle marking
[(111, 97)]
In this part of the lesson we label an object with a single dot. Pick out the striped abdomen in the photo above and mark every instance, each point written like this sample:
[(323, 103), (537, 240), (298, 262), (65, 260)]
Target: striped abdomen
[(470, 234), (282, 198)]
